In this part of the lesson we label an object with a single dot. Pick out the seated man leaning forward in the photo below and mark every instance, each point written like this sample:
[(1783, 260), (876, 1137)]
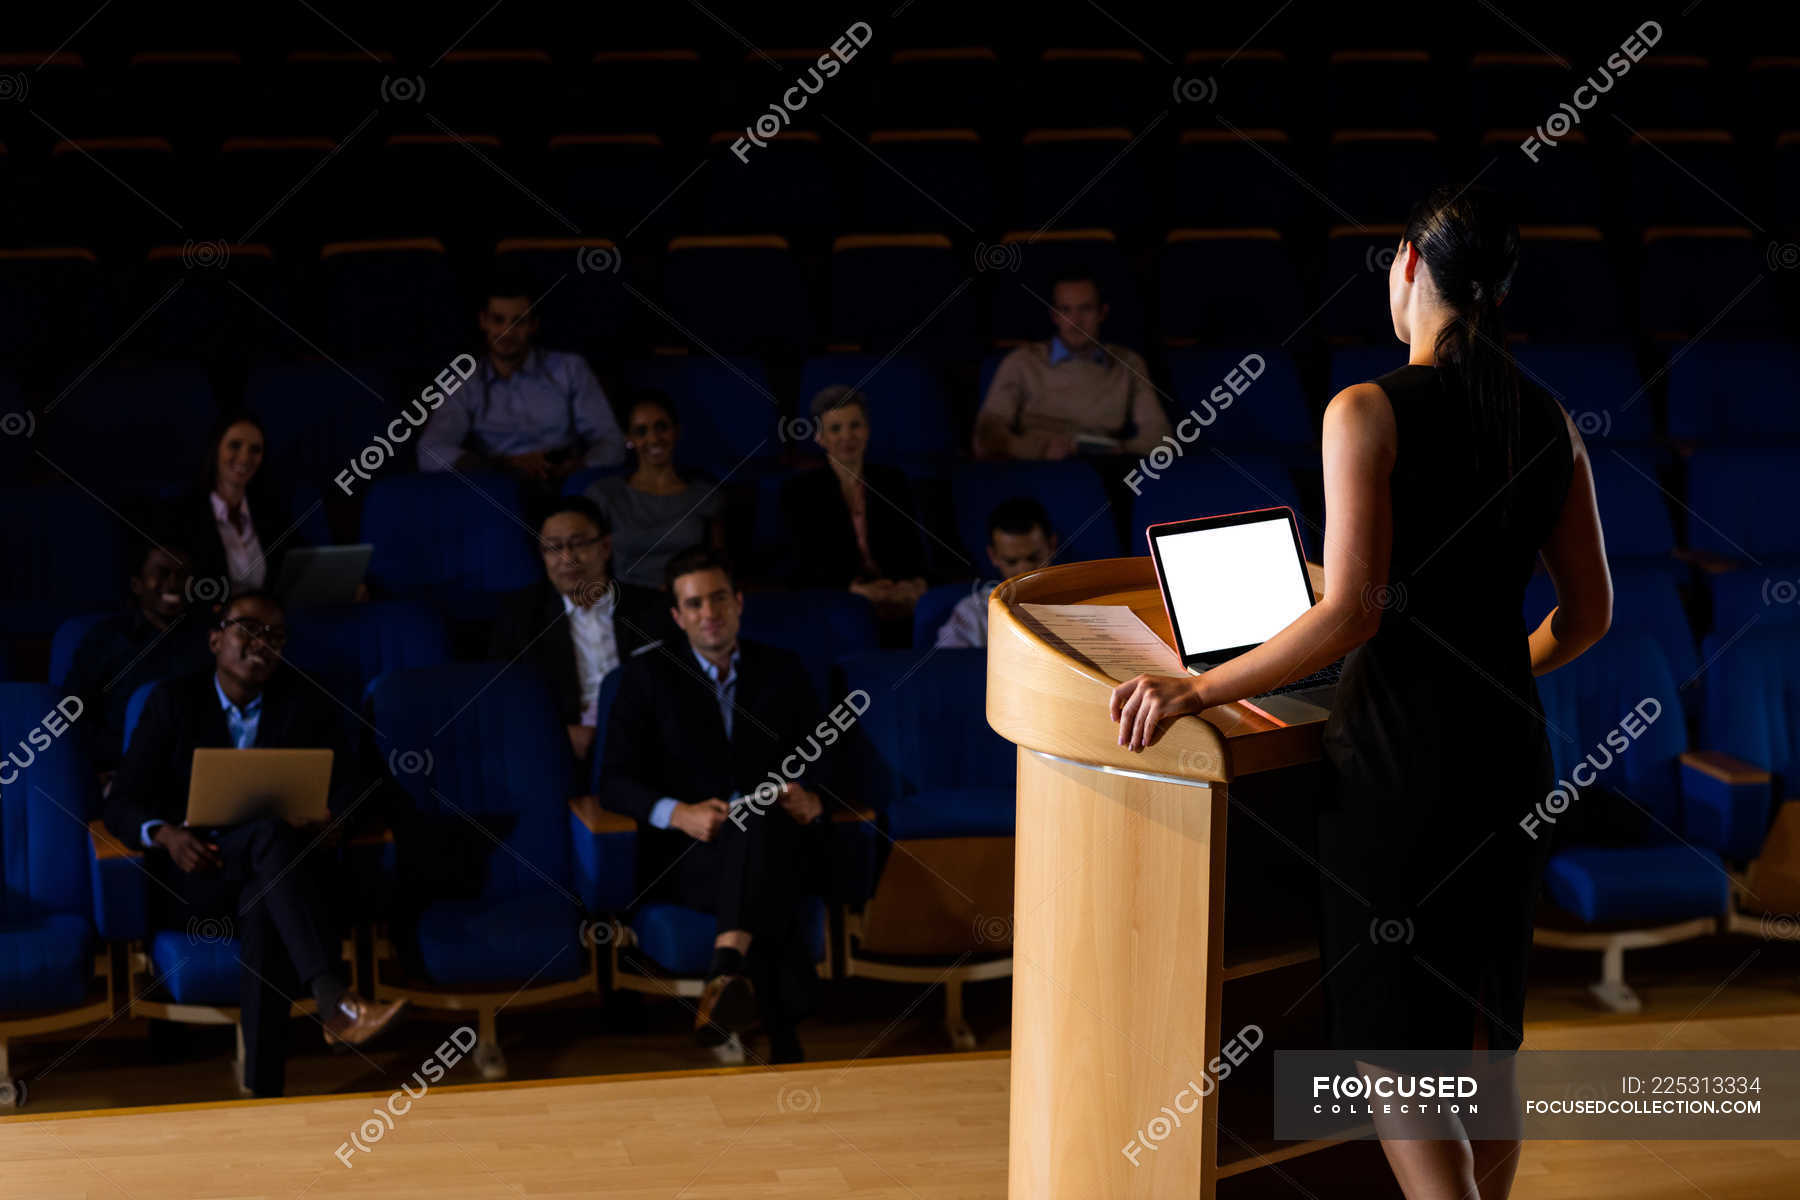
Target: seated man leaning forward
[(1073, 393), (702, 745), (262, 874)]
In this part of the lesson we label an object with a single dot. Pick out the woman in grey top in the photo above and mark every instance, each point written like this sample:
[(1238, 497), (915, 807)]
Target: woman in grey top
[(654, 511)]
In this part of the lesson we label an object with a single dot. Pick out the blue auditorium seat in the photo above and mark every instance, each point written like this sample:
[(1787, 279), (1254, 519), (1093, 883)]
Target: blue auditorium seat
[(902, 291), (1378, 89), (317, 416), (1645, 601), (454, 543), (120, 430), (736, 294), (1564, 186), (609, 183), (1566, 288), (1684, 177), (343, 648), (1599, 386), (1378, 174), (783, 187), (605, 863), (392, 300), (1070, 491), (1257, 161), (821, 625), (1353, 305), (1080, 179), (1634, 509), (45, 581), (498, 758), (931, 765), (52, 305), (1263, 303), (66, 641), (1270, 414), (1360, 364), (46, 899), (1698, 278), (1752, 710), (949, 170), (1740, 502), (1722, 393), (731, 422), (909, 407), (1204, 484), (1640, 848)]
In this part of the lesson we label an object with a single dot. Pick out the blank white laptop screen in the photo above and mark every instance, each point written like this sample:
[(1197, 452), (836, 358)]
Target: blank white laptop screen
[(1233, 586)]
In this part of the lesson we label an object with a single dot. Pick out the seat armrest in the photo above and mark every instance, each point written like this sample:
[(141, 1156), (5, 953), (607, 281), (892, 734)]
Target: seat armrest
[(605, 845), (1725, 803), (121, 884)]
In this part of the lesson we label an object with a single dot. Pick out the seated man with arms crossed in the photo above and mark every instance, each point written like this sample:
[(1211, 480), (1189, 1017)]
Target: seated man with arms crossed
[(1049, 400), (699, 723), (257, 872)]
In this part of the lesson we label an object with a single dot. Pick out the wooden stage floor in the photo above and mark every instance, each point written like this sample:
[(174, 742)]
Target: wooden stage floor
[(926, 1128)]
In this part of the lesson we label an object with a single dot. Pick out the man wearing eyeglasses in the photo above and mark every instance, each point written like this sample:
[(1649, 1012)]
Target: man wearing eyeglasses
[(257, 874), (578, 622)]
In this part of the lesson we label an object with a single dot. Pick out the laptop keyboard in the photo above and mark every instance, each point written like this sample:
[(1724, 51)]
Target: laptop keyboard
[(1324, 677)]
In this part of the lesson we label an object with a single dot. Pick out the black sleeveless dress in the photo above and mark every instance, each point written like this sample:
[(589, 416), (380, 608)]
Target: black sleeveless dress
[(1436, 744)]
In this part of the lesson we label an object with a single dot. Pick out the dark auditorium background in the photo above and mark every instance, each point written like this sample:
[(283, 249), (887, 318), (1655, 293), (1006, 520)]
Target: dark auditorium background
[(295, 208)]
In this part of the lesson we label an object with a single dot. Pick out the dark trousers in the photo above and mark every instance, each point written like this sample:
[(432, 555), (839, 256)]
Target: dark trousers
[(756, 878), (271, 897)]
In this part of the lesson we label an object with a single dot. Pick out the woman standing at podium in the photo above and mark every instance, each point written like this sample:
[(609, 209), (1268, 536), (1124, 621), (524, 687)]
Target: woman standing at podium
[(1444, 481)]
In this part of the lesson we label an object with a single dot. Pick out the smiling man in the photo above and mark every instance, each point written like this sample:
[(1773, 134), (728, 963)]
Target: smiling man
[(258, 874)]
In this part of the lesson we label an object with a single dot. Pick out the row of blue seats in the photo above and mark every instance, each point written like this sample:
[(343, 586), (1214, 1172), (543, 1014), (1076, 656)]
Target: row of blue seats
[(118, 427), (494, 748), (806, 184), (401, 299)]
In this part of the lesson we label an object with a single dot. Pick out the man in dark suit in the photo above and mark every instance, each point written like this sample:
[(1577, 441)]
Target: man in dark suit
[(258, 872), (704, 745), (578, 622)]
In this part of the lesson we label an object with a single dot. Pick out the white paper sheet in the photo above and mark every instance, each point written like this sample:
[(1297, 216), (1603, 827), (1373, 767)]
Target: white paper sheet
[(1110, 636)]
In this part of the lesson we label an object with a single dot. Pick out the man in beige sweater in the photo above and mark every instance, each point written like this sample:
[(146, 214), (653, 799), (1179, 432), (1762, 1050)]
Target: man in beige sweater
[(1072, 393)]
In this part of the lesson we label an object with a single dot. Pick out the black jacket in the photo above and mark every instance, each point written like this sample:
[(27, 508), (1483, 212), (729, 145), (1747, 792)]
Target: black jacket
[(823, 541), (191, 519), (665, 735), (525, 625), (183, 714)]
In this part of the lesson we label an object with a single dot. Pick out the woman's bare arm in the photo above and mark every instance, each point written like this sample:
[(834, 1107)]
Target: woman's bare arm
[(1359, 444), (1575, 556)]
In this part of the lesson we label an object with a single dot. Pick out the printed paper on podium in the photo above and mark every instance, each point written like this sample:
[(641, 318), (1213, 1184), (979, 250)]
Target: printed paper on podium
[(1109, 637)]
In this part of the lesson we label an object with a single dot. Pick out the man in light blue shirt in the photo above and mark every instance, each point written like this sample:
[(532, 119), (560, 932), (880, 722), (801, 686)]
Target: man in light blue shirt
[(538, 414)]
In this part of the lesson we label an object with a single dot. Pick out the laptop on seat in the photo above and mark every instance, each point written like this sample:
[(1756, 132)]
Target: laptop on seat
[(1230, 583)]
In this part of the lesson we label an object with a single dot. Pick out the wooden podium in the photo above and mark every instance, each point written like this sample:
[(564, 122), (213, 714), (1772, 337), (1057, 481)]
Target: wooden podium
[(1119, 954)]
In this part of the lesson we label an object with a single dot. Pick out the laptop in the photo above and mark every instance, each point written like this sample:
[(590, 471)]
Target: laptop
[(315, 575), (232, 786), (1230, 583)]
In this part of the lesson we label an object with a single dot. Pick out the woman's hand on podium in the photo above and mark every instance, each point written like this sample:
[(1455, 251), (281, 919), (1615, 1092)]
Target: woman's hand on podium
[(1143, 702)]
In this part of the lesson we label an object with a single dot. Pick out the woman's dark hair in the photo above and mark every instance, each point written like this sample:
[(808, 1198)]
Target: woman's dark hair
[(209, 472), (638, 397), (1471, 245)]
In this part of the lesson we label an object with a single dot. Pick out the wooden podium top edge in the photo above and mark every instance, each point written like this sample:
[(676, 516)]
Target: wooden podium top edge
[(1043, 699)]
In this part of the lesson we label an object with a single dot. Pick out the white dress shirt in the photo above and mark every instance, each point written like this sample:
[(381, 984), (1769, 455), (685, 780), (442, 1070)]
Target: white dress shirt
[(244, 562), (596, 649)]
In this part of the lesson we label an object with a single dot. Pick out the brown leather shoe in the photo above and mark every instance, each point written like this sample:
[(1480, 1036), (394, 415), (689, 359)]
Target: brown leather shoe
[(727, 1006), (357, 1022)]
